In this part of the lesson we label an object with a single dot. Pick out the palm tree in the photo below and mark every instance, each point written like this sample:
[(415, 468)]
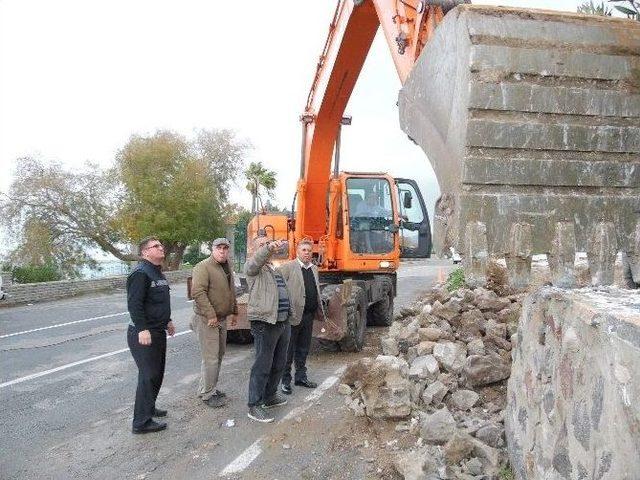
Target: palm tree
[(258, 176), (632, 10), (591, 8)]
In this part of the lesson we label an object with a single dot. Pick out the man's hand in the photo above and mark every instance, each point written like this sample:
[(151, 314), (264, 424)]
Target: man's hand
[(276, 245), (234, 320), (171, 328), (213, 322), (144, 337)]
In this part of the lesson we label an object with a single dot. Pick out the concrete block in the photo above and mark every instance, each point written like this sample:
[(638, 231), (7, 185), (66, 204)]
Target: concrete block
[(562, 256), (519, 255), (601, 254), (475, 254)]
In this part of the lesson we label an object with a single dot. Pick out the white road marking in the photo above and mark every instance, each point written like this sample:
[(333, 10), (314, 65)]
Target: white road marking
[(245, 459), (70, 365), (63, 324)]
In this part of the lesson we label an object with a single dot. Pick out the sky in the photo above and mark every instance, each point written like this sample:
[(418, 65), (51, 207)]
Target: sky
[(79, 77)]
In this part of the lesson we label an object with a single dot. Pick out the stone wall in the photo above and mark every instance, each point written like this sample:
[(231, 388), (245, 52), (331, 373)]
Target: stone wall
[(37, 292), (572, 409)]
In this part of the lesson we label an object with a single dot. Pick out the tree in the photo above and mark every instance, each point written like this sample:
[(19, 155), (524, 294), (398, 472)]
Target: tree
[(176, 189), (259, 177), (632, 10), (589, 8), (56, 215), (163, 185)]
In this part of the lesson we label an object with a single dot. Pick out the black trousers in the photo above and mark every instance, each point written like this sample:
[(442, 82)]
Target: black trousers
[(270, 342), (299, 347), (150, 360)]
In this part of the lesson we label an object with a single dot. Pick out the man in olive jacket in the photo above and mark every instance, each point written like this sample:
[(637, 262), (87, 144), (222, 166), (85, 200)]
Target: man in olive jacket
[(268, 310), (302, 279), (214, 294)]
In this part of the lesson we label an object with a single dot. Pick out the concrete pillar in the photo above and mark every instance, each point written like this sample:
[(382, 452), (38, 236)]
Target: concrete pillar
[(518, 257), (562, 256), (476, 254), (602, 248)]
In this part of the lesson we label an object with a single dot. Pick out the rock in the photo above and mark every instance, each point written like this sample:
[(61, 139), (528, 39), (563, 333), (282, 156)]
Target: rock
[(484, 369), (438, 427), (424, 348), (459, 447), (498, 342), (386, 390), (490, 455), (408, 336), (434, 393), (357, 371), (488, 300), (495, 329), (356, 406), (449, 310), (409, 311), (474, 466), (451, 356), (471, 325), (428, 320), (475, 347), (431, 334), (415, 464), (390, 346), (344, 389), (491, 434), (426, 310), (424, 368), (464, 399), (416, 391), (511, 314)]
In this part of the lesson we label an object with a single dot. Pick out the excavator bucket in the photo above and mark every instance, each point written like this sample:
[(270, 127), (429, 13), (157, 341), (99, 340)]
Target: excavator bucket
[(531, 120)]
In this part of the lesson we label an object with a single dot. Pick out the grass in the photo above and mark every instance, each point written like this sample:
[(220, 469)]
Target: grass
[(505, 473), (455, 280)]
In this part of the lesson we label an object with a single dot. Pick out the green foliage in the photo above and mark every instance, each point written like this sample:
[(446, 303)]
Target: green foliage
[(36, 274), (631, 10), (193, 255), (240, 233), (590, 8), (505, 473), (259, 177), (455, 280)]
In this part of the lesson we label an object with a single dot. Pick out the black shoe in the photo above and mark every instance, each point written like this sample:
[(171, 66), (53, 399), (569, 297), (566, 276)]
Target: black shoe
[(158, 412), (275, 401), (286, 388), (215, 401), (306, 383), (150, 426), (259, 414), (220, 393)]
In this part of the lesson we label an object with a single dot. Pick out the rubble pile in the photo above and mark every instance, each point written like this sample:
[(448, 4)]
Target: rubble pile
[(442, 376)]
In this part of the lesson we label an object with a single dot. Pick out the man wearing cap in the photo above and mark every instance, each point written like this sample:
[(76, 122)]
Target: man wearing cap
[(214, 294)]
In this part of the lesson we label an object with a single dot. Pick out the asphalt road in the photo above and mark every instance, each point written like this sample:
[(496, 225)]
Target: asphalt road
[(68, 382)]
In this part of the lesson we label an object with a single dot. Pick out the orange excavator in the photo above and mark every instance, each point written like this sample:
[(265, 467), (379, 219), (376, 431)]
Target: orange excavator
[(360, 223)]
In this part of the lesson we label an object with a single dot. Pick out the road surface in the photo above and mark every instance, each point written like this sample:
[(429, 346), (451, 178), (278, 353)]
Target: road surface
[(67, 387)]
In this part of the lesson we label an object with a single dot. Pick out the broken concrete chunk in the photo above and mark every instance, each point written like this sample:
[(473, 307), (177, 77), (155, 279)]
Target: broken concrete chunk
[(438, 427), (475, 347), (431, 334), (485, 369), (390, 346), (424, 368), (495, 329), (492, 434), (464, 399), (415, 464), (471, 325), (451, 356), (447, 311), (457, 448), (434, 393), (489, 300), (344, 389)]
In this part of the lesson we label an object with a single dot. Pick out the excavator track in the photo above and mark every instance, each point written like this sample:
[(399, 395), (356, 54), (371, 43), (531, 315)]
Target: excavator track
[(531, 120)]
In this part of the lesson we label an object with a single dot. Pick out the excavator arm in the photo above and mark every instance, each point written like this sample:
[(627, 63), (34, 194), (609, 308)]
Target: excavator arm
[(407, 26)]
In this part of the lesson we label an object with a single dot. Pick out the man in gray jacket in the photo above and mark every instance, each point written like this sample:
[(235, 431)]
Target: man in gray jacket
[(302, 279), (268, 310)]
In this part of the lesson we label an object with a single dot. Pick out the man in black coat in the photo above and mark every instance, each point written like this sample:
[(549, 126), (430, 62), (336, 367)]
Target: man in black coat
[(149, 306)]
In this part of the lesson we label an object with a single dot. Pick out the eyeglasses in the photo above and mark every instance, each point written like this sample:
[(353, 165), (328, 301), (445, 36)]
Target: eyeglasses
[(157, 245)]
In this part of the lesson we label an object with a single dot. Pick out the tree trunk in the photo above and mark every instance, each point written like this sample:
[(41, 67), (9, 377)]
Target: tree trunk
[(173, 257)]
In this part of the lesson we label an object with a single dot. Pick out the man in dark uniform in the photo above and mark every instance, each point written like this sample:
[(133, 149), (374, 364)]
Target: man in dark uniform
[(150, 310)]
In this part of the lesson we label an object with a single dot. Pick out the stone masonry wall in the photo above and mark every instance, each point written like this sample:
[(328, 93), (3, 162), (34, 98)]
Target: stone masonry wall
[(572, 409), (37, 292)]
